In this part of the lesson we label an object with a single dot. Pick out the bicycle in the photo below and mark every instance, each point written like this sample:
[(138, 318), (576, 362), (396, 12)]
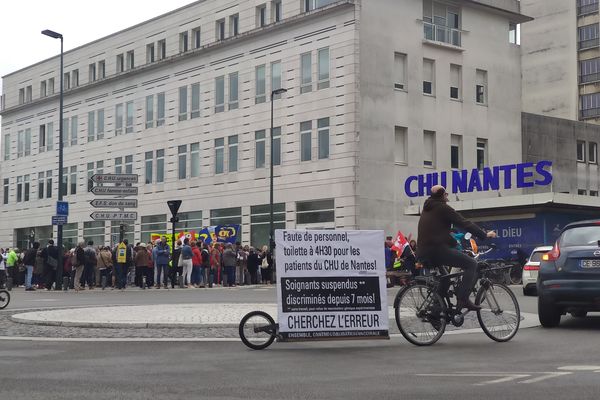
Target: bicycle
[(258, 330), (422, 314), (4, 298)]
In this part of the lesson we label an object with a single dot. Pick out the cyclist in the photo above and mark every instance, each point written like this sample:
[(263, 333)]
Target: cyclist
[(437, 245)]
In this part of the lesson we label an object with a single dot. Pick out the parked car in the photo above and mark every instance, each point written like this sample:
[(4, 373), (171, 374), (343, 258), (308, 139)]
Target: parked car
[(531, 268), (569, 275)]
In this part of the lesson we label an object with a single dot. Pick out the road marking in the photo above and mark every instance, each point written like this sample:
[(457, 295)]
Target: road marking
[(547, 375), (580, 368), (502, 376), (44, 300)]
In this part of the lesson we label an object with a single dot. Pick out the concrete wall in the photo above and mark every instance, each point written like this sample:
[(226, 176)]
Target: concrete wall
[(549, 58), (385, 28)]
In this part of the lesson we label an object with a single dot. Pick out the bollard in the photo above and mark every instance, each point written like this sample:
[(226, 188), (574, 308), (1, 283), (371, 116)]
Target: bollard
[(65, 283), (103, 282), (9, 283), (180, 281)]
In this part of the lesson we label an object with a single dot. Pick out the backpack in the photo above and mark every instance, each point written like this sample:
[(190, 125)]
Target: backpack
[(89, 257), (74, 258)]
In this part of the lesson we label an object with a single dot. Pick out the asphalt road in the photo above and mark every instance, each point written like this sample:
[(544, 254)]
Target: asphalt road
[(537, 364)]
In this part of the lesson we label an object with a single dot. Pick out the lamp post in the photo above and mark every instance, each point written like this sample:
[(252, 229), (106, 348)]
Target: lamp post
[(59, 234), (271, 238)]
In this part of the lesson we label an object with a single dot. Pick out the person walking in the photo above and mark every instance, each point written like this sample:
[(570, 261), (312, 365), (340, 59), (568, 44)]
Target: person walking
[(160, 255), (50, 256), (89, 266), (78, 262), (229, 263)]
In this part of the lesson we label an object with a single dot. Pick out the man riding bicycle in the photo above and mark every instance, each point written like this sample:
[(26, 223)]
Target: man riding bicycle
[(438, 247)]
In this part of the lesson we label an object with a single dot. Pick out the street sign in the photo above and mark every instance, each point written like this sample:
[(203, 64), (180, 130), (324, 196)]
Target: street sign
[(59, 220), (114, 203), (62, 208), (115, 178), (115, 190), (114, 216), (174, 206)]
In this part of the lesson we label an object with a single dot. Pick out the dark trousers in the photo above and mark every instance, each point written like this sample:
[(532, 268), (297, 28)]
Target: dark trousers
[(253, 276), (121, 275), (2, 279), (453, 258), (230, 272), (162, 270), (49, 276), (173, 273), (88, 275)]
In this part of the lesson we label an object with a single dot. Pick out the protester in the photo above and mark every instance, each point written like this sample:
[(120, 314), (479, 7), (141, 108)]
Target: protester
[(196, 264), (78, 262), (241, 269), (229, 263), (105, 266), (266, 265), (253, 265), (160, 255), (50, 256), (215, 263), (142, 262), (175, 261), (89, 267), (186, 263), (206, 272), (122, 260), (3, 257)]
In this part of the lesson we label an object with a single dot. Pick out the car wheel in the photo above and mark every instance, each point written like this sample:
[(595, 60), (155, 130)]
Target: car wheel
[(578, 313), (548, 313), (527, 292)]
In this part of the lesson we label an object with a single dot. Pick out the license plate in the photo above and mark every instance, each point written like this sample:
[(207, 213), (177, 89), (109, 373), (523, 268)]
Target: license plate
[(589, 264)]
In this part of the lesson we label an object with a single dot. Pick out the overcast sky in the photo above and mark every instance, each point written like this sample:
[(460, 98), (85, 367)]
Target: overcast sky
[(80, 22)]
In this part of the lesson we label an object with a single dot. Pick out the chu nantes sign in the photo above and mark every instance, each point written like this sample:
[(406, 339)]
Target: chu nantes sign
[(524, 175), (115, 178), (115, 191)]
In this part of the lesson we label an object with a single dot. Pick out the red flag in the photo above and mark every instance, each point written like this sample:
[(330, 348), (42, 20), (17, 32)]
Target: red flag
[(400, 243)]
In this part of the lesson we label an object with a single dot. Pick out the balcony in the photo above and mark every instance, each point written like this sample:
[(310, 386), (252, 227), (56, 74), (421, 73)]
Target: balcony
[(590, 113), (588, 44), (589, 78), (587, 9), (443, 34)]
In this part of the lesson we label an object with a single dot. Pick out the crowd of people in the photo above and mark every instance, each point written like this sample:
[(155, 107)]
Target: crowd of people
[(191, 264)]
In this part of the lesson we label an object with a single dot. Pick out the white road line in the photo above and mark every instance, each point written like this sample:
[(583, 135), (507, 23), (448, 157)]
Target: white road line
[(547, 375), (503, 377)]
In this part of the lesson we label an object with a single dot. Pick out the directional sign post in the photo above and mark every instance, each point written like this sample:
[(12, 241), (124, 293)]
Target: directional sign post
[(114, 203), (114, 191), (114, 216), (115, 178)]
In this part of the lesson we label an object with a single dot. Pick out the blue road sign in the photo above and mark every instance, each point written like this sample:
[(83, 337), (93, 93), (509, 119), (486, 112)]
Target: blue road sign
[(59, 220), (62, 208)]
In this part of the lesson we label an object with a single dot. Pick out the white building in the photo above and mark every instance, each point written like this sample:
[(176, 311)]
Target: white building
[(378, 90)]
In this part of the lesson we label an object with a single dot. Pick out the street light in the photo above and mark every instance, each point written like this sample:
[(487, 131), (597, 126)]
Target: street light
[(59, 234), (271, 239)]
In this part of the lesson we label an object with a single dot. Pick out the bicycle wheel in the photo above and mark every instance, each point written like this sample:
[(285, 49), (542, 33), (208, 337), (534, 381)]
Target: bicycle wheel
[(257, 330), (420, 315), (516, 275), (500, 315), (4, 299)]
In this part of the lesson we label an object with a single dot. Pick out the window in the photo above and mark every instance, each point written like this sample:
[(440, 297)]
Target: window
[(195, 110), (6, 145), (233, 91), (50, 136), (75, 77), (100, 124), (150, 53), (120, 63), (94, 231), (310, 5), (276, 77), (260, 84), (42, 139), (6, 188), (276, 150), (41, 184), (183, 42), (26, 183), (590, 105), (260, 146), (118, 119), (400, 148), (129, 119), (160, 109), (259, 222), (594, 193), (316, 211), (74, 130), (148, 166), (190, 221), (51, 86), (160, 166), (580, 151), (70, 235), (225, 216), (65, 132), (92, 72), (513, 36), (305, 73), (305, 141), (99, 169), (152, 224), (277, 11), (323, 68), (455, 151), (91, 126), (182, 160), (482, 155), (219, 94), (399, 71), (22, 96), (582, 192), (43, 90), (195, 160), (101, 69), (20, 144), (455, 81), (588, 36), (219, 155), (481, 87), (19, 189), (119, 165), (73, 179), (196, 37), (234, 25), (64, 184), (323, 137), (586, 7), (27, 142), (220, 29), (261, 16), (232, 142), (66, 81), (441, 22), (162, 49), (130, 60), (589, 70), (183, 103), (429, 149), (592, 152), (48, 184), (28, 94), (149, 111), (428, 76)]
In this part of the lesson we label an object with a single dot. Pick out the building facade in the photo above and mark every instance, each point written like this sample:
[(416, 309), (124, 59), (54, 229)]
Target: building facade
[(377, 91)]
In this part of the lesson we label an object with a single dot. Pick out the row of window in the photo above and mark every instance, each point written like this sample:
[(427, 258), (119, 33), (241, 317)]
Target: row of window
[(189, 105), (429, 147), (586, 7), (226, 153), (429, 79), (157, 51), (591, 155)]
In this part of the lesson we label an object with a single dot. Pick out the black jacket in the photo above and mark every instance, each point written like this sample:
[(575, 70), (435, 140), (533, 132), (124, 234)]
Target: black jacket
[(29, 257), (434, 226)]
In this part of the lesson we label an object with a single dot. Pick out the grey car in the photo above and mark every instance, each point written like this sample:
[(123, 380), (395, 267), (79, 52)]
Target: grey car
[(569, 275)]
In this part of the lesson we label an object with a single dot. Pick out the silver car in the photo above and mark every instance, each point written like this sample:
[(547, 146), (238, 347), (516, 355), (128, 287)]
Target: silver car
[(531, 269)]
